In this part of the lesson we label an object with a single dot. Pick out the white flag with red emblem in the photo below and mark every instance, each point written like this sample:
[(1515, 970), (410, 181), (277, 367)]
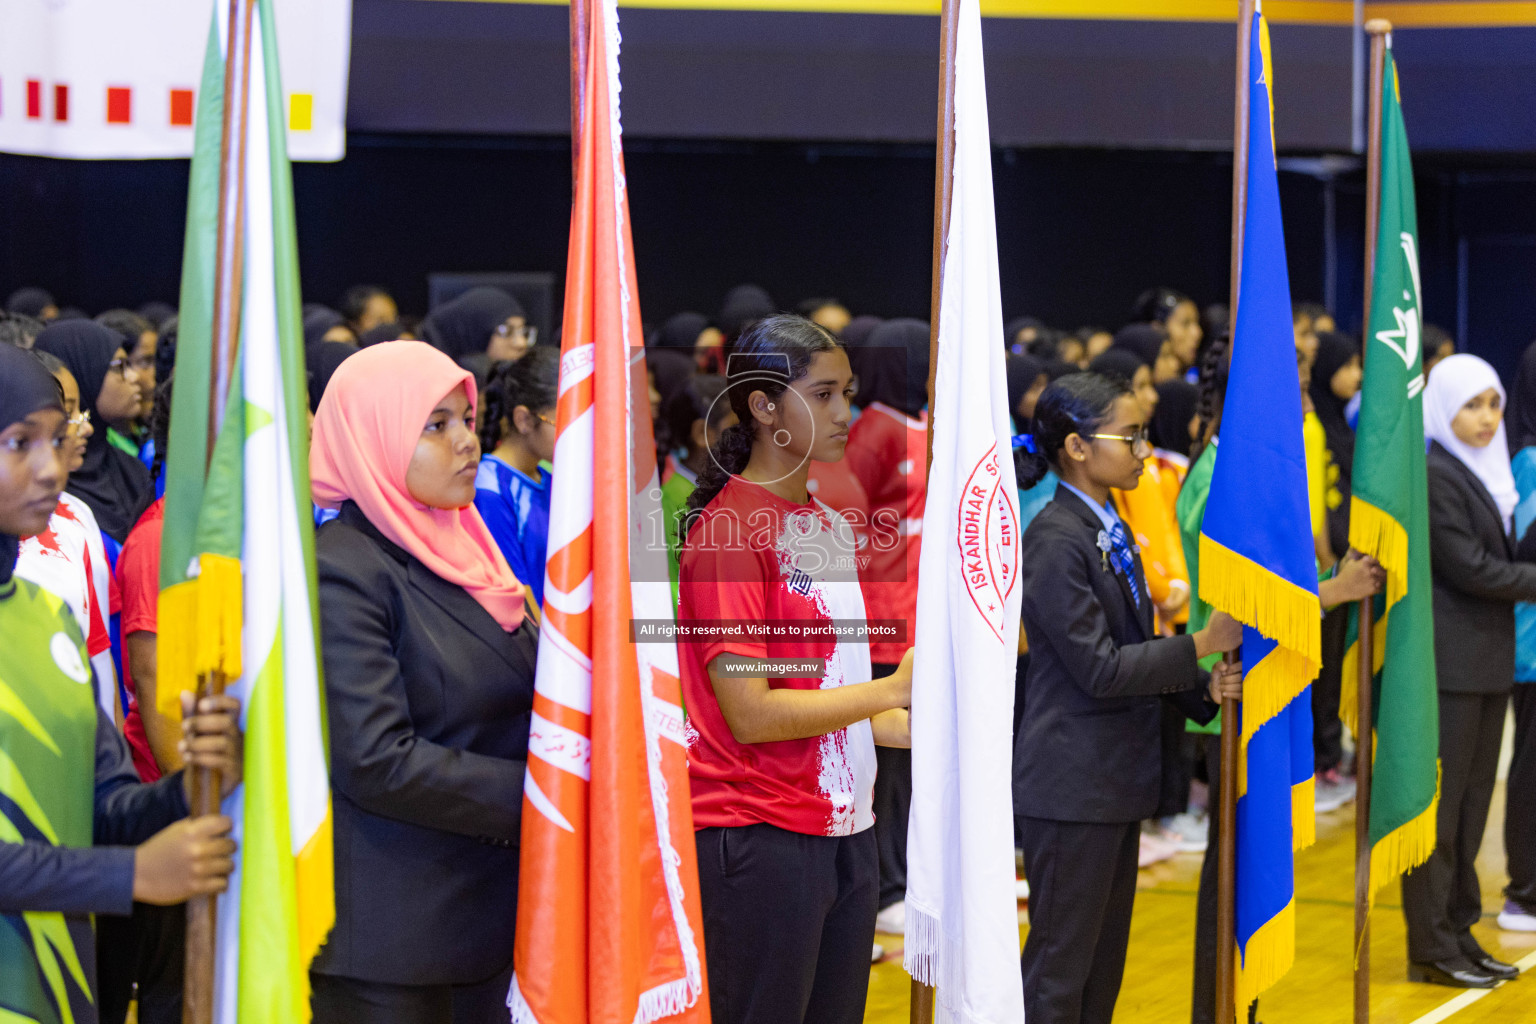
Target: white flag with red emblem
[(962, 918)]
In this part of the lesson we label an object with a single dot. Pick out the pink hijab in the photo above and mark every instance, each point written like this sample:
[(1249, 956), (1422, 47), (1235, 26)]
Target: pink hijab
[(365, 432)]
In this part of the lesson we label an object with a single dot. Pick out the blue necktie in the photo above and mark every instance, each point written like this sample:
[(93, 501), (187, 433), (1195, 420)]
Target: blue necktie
[(1124, 558)]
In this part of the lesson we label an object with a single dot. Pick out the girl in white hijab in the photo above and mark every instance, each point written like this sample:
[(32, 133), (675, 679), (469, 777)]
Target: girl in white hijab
[(1455, 382), (1479, 575)]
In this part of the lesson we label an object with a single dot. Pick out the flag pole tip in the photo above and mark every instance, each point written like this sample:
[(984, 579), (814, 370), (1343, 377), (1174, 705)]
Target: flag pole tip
[(1378, 27)]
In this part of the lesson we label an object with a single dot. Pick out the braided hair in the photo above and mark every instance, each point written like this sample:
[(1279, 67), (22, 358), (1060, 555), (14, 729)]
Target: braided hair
[(770, 354), (1213, 390), (532, 381)]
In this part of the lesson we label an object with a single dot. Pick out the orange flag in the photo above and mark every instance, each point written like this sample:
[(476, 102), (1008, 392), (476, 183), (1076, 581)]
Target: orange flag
[(609, 929)]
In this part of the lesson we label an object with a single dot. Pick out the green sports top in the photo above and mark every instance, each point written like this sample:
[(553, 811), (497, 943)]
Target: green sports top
[(47, 794)]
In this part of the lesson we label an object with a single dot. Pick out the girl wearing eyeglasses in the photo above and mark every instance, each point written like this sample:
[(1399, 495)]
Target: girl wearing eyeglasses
[(513, 484), (115, 484), (1087, 767)]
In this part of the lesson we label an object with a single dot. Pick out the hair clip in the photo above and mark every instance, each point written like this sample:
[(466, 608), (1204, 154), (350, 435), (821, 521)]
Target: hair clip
[(1027, 442)]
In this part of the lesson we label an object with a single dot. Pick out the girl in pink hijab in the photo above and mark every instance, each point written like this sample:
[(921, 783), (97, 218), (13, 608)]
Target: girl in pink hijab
[(429, 667)]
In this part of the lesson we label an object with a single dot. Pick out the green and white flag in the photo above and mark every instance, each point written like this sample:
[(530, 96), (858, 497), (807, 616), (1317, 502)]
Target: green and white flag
[(237, 569), (1389, 519)]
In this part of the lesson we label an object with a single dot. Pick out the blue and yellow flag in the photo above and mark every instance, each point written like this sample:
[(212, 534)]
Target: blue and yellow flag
[(1257, 564)]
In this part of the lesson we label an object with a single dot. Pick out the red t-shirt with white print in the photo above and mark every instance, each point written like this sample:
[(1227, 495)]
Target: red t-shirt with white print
[(754, 557)]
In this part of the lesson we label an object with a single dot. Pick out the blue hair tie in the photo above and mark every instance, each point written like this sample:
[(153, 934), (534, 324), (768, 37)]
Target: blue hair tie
[(1027, 442)]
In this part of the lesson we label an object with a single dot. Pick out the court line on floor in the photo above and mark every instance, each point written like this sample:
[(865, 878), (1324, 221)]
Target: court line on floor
[(1469, 997)]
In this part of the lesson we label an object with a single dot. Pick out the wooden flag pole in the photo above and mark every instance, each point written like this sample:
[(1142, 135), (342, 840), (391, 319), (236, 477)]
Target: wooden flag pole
[(921, 1009), (1379, 31), (229, 281), (1226, 837), (581, 25)]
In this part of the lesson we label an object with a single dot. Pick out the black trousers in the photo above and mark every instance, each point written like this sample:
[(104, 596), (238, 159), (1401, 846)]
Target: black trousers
[(1082, 884), (1441, 897), (1520, 802), (1327, 729), (147, 949), (335, 1000), (893, 806), (789, 920)]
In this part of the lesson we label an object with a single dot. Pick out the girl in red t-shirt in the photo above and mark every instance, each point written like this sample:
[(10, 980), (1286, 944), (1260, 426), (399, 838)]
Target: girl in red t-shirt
[(783, 716)]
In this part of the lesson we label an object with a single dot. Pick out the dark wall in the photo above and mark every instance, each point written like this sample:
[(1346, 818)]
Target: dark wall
[(502, 68), (1081, 232)]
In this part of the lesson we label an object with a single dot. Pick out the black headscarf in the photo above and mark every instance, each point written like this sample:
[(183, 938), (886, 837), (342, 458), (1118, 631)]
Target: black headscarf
[(1521, 416), (1146, 340), (744, 305), (1177, 401), (894, 366), (319, 321), (29, 302), (157, 313), (393, 331), (1117, 362), (463, 326), (113, 483), (25, 387), (322, 361), (856, 344), (672, 369), (1022, 372), (1055, 369), (680, 332)]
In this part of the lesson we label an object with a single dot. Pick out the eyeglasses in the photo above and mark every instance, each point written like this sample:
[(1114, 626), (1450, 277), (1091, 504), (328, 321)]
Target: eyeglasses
[(142, 363), (121, 367), (1139, 439), (524, 333), (544, 419), (79, 420)]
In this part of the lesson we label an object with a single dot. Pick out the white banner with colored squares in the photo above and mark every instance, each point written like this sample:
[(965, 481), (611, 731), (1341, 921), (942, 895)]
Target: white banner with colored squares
[(117, 79)]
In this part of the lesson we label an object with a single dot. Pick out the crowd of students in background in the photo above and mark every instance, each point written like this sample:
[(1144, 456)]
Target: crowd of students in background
[(418, 779)]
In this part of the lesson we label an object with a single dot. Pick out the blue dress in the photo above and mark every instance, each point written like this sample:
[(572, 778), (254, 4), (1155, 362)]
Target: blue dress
[(517, 511)]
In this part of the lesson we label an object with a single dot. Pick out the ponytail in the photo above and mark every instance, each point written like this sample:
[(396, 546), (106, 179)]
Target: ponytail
[(771, 354), (1078, 403), (1213, 387)]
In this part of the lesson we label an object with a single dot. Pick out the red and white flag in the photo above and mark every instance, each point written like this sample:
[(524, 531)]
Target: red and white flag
[(962, 917), (609, 929)]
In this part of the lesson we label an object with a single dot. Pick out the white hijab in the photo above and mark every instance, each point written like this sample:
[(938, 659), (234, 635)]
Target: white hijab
[(1452, 384)]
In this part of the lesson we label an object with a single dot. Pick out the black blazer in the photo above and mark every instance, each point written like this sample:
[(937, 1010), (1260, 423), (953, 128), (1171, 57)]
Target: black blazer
[(1090, 742), (429, 701), (1479, 575)]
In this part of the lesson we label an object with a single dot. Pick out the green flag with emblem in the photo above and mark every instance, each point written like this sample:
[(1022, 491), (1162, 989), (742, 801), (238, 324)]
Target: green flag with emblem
[(1389, 519)]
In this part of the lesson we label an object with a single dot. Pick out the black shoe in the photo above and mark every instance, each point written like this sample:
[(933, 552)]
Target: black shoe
[(1485, 962), (1458, 972)]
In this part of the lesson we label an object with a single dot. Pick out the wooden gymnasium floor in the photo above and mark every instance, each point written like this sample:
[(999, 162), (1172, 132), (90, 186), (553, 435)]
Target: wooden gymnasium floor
[(1319, 987)]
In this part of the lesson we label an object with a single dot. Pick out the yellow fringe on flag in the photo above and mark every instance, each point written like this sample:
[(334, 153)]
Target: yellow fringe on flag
[(1406, 846), (1303, 814), (1270, 952), (314, 875), (200, 623), (1375, 533), (1279, 609)]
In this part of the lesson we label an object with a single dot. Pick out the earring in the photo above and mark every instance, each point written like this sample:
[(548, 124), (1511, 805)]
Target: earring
[(770, 407), (776, 440)]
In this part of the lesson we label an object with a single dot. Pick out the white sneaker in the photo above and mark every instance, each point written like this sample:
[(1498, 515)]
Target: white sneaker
[(1332, 791), (1191, 831), (1515, 918), (893, 919), (877, 953)]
